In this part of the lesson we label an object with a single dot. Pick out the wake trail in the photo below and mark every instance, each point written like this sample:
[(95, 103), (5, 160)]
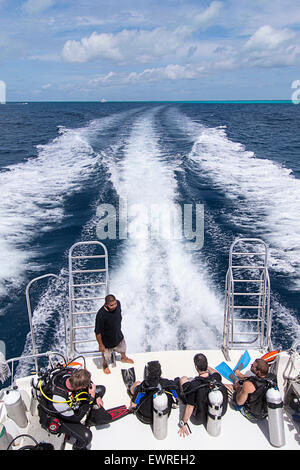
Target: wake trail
[(34, 194), (167, 299), (265, 197)]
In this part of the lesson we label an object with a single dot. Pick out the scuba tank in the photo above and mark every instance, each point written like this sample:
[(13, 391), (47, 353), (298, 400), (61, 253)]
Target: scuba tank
[(35, 395), (275, 417), (15, 407), (215, 402), (160, 415)]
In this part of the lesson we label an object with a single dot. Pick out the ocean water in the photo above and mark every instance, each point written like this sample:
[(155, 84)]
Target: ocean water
[(61, 162)]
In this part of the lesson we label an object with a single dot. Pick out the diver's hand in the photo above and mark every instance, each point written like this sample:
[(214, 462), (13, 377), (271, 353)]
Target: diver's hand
[(99, 402), (183, 431)]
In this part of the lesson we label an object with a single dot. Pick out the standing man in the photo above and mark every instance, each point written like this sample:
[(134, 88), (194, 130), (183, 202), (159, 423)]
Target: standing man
[(108, 331)]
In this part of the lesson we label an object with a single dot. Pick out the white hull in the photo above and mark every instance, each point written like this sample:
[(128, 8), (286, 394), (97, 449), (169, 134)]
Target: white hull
[(129, 433)]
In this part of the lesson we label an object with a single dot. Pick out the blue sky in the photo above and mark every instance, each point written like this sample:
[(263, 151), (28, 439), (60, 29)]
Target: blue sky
[(87, 50)]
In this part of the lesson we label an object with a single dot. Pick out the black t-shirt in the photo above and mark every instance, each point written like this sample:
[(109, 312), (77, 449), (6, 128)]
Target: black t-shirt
[(108, 324)]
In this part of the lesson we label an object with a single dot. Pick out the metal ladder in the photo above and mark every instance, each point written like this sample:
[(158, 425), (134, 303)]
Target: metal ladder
[(88, 285), (247, 321)]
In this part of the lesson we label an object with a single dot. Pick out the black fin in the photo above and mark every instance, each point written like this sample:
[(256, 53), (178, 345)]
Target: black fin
[(128, 376)]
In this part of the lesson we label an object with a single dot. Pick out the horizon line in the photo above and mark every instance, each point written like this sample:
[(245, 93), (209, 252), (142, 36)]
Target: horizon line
[(156, 101)]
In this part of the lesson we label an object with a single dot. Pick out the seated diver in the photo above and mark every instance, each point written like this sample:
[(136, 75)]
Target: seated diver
[(141, 393), (194, 394), (249, 395), (66, 399)]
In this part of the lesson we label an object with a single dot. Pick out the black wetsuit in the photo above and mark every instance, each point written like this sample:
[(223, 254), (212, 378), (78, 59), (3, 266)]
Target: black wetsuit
[(195, 393), (70, 419), (256, 402)]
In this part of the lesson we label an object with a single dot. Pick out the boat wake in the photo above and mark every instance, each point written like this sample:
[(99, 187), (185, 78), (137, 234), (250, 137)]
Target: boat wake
[(264, 196), (169, 298), (164, 294)]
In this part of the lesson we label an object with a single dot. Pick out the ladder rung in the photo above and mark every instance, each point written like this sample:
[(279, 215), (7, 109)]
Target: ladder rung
[(251, 253), (249, 267), (84, 341), (248, 280), (87, 256), (247, 306), (89, 284), (247, 293), (86, 298), (85, 313), (95, 352), (78, 271), (245, 333), (250, 320), (83, 327)]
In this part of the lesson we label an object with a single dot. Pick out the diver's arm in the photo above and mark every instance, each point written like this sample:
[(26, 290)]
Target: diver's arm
[(243, 392), (62, 407), (184, 431), (69, 414), (100, 343)]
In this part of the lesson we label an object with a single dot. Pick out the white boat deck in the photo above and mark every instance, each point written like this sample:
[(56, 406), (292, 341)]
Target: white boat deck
[(129, 433)]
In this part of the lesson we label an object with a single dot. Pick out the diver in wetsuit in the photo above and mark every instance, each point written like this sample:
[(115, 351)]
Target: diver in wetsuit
[(66, 399), (194, 394), (250, 392), (142, 392)]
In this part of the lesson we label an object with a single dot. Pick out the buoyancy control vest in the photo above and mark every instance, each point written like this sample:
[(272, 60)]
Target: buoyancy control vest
[(143, 398), (55, 386), (199, 390), (256, 402)]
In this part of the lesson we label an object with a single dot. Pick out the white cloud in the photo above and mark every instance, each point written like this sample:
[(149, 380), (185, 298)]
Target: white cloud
[(37, 6), (140, 45), (169, 72), (208, 16), (103, 80), (103, 45), (270, 47), (269, 38)]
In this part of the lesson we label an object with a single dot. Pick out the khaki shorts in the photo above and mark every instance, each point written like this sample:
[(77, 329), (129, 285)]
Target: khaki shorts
[(120, 348)]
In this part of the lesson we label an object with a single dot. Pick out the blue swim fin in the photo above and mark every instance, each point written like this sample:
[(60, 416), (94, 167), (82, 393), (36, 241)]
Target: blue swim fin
[(243, 361), (227, 372)]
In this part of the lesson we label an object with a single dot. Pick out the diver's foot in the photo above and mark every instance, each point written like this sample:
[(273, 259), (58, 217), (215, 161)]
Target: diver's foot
[(127, 360), (106, 369)]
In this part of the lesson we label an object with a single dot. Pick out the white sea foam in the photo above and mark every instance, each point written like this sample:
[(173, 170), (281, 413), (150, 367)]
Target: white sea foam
[(167, 300), (266, 200), (266, 194), (34, 192)]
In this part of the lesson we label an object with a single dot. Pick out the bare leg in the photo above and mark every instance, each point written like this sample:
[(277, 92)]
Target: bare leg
[(105, 367), (126, 359)]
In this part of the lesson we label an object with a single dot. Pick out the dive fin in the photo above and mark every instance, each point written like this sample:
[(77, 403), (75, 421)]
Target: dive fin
[(128, 376), (227, 372), (243, 361), (118, 412)]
